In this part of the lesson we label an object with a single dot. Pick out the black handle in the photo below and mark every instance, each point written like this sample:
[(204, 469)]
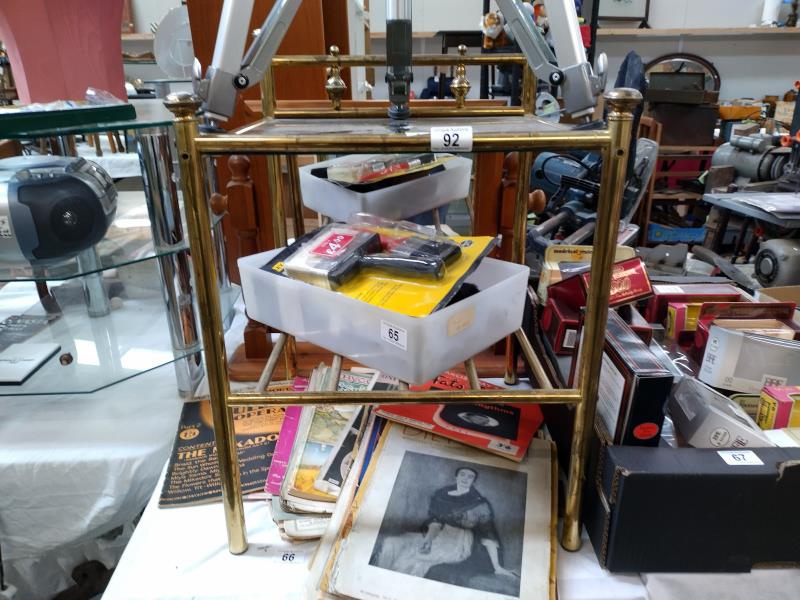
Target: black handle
[(430, 266)]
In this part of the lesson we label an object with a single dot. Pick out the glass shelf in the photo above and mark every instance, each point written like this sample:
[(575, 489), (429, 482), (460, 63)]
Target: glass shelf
[(133, 338), (346, 134), (228, 296), (507, 125), (129, 240), (149, 113)]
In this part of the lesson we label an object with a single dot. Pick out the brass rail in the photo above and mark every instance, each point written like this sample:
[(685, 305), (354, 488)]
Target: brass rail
[(379, 60), (549, 396), (247, 143)]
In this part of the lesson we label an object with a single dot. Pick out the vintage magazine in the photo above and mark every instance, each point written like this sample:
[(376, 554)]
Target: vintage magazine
[(193, 471), (335, 469), (434, 519), (503, 429), (318, 432), (342, 511)]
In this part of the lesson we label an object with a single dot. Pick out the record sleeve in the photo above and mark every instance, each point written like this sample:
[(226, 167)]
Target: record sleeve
[(503, 429)]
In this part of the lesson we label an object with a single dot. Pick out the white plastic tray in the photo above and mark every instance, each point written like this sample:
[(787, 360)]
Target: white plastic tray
[(412, 349), (394, 202)]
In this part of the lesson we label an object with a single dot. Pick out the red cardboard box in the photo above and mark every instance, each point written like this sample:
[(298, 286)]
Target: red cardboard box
[(691, 292), (682, 317), (629, 283), (638, 324), (711, 311), (560, 325)]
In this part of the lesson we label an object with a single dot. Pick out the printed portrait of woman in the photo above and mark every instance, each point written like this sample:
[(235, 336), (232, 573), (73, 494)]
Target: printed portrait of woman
[(458, 541)]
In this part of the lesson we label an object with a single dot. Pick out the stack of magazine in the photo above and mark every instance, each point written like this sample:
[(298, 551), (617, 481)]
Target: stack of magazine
[(314, 454), (410, 501)]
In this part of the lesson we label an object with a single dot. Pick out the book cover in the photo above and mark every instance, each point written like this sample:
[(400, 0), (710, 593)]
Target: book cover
[(193, 471), (20, 361), (503, 429), (283, 449)]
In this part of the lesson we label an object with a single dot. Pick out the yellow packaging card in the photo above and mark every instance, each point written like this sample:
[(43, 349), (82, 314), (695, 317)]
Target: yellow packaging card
[(794, 416), (417, 296), (767, 409), (406, 294), (672, 324)]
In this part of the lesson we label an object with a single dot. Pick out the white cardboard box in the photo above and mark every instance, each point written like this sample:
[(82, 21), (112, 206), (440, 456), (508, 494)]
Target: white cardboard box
[(707, 419), (743, 362), (394, 202), (422, 348)]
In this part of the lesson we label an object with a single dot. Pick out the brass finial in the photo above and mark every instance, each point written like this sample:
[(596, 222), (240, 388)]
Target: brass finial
[(622, 101), (460, 85), (335, 85), (182, 104)]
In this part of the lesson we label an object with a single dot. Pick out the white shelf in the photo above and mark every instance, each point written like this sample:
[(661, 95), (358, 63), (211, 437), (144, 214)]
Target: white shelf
[(131, 339), (722, 32)]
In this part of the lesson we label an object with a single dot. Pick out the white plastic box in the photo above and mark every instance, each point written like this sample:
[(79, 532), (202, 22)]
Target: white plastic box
[(413, 349), (394, 202)]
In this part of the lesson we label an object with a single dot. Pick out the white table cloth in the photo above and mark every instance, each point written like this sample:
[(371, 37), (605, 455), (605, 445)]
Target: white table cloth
[(74, 467)]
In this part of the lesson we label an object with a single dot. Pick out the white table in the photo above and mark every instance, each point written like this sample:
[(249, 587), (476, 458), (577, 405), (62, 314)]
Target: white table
[(75, 467), (179, 553)]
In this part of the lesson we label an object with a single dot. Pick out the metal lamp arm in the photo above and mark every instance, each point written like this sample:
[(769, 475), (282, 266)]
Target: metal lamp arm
[(229, 72), (532, 43), (569, 69)]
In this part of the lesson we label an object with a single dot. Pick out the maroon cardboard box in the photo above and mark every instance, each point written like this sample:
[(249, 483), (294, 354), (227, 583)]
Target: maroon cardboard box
[(629, 283), (638, 324), (691, 292), (634, 386), (711, 311), (560, 325)]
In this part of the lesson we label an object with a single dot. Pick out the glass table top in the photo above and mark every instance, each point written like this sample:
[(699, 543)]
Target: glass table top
[(149, 113), (369, 135)]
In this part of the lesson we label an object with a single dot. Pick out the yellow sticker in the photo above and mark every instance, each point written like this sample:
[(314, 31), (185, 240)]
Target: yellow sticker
[(460, 321)]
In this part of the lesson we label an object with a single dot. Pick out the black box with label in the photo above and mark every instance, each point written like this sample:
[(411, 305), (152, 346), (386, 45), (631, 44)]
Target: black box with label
[(697, 510), (634, 386)]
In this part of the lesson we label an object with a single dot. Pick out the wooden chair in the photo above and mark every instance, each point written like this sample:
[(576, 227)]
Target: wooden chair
[(651, 129)]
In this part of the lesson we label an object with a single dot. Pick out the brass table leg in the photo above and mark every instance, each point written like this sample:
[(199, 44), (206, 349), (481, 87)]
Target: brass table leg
[(621, 103), (518, 250), (184, 106)]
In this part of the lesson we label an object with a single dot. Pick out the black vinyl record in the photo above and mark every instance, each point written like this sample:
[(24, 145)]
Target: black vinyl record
[(497, 420)]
